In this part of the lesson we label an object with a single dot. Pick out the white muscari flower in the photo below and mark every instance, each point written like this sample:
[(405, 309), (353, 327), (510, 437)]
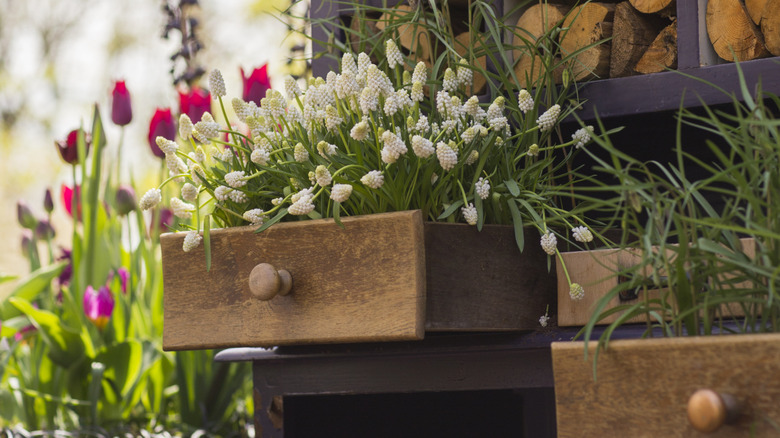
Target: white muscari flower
[(471, 106), (359, 132), (260, 156), (362, 67), (312, 178), (525, 101), (181, 209), (582, 136), (576, 292), (449, 125), (582, 234), (547, 120), (301, 202), (241, 109), (341, 192), (394, 56), (422, 147), (326, 149), (196, 173), (348, 64), (498, 123), (444, 103), (189, 192), (185, 127), (533, 150), (291, 87), (300, 153), (448, 157), (481, 115), (470, 214), (543, 320), (150, 199), (482, 187), (277, 201), (417, 92), (388, 155), (254, 216), (465, 75), (456, 109), (235, 179), (378, 81), (369, 100), (217, 83), (238, 196), (373, 179), (167, 146), (391, 105), (420, 73), (322, 175), (332, 118), (175, 164), (394, 145), (450, 81), (468, 135), (422, 126), (472, 158), (496, 109), (191, 241), (402, 99), (435, 129), (205, 131), (222, 193), (549, 243)]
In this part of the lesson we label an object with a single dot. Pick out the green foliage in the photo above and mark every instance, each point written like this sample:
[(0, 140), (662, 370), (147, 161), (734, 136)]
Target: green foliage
[(687, 231), (59, 370)]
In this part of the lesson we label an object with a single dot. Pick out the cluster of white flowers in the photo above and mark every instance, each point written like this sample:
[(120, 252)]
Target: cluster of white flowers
[(582, 136), (470, 214), (582, 234), (482, 187), (547, 120), (549, 243), (191, 241)]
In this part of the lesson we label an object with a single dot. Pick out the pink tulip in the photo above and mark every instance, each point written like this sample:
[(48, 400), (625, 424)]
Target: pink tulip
[(98, 306), (161, 125)]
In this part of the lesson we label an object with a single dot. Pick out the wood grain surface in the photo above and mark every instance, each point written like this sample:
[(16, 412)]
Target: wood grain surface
[(363, 282), (479, 280), (643, 385), (596, 272)]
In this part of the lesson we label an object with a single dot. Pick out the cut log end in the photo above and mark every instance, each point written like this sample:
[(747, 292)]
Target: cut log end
[(633, 32), (662, 53), (732, 32)]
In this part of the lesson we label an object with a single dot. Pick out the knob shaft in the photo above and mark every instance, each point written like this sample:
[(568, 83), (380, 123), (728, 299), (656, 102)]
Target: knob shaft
[(265, 281), (709, 410)]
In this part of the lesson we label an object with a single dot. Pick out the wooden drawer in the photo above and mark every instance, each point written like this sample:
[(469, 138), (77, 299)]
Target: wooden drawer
[(643, 386), (365, 281), (385, 277)]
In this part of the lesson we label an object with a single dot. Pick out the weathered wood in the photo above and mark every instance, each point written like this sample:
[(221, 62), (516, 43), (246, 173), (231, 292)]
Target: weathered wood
[(585, 28), (361, 26), (643, 386), (632, 35), (755, 9), (596, 271), (413, 35), (462, 44), (730, 29), (770, 26), (662, 53), (481, 281), (661, 7), (536, 21), (363, 282)]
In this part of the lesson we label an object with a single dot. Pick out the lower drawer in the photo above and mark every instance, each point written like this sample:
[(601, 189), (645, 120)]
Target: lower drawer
[(644, 388)]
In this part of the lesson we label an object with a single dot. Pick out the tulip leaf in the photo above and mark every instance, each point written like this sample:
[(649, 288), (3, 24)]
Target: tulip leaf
[(207, 240), (511, 185), (123, 366), (517, 220), (282, 213), (29, 288), (450, 210), (66, 347)]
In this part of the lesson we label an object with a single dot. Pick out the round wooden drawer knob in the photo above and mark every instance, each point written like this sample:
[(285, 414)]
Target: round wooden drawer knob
[(709, 410), (265, 281)]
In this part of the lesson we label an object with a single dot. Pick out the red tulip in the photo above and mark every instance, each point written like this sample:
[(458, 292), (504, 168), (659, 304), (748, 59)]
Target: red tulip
[(69, 147), (194, 103), (162, 125), (67, 199), (256, 84), (121, 110), (98, 306)]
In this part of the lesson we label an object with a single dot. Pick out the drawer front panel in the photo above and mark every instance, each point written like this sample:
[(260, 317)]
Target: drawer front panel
[(363, 282), (643, 386)]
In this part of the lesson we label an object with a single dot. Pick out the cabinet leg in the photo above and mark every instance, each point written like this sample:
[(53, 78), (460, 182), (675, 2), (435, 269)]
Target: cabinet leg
[(268, 414)]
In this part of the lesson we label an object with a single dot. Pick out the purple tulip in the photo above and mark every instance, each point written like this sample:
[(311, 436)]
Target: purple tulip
[(125, 199), (44, 230), (48, 202), (121, 110), (25, 216), (161, 125), (124, 276), (98, 306), (194, 103), (256, 84), (68, 148)]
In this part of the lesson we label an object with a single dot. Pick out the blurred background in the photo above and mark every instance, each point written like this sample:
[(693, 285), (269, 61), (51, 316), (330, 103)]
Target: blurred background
[(60, 57)]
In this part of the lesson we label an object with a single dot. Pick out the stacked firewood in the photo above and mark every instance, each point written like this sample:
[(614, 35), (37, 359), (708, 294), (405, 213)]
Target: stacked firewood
[(744, 29), (643, 32)]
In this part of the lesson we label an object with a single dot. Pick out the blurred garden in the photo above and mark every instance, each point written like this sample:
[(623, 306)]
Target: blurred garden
[(85, 88)]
